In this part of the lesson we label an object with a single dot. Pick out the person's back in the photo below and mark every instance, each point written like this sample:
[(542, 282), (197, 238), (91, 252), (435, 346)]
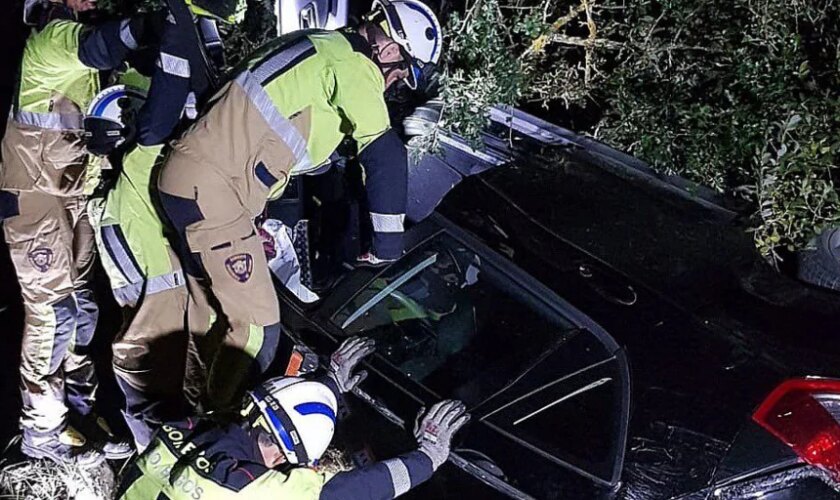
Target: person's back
[(198, 458), (289, 108)]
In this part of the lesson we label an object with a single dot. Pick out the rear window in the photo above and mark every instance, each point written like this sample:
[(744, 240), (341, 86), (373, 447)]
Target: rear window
[(453, 323)]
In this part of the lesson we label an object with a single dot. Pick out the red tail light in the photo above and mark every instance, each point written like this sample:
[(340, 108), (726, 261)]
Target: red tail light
[(805, 415)]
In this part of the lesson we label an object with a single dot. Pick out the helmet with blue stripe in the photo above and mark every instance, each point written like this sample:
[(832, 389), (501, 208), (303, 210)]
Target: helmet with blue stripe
[(414, 26), (111, 116), (298, 414)]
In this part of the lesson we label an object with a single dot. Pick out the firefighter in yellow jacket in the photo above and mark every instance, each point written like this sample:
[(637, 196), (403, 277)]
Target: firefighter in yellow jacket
[(286, 425), (43, 183), (156, 356), (284, 113)]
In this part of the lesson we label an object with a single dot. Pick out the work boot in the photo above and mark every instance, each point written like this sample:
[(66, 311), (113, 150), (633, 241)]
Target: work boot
[(99, 434), (69, 447)]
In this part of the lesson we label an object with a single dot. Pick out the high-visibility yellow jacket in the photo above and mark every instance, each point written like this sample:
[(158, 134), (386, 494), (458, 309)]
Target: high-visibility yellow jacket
[(59, 77)]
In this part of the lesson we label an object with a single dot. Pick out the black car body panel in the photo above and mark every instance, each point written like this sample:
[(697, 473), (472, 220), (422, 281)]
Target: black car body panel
[(683, 431)]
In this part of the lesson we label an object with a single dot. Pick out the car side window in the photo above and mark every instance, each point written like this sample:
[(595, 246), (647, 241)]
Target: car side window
[(465, 329), (451, 322)]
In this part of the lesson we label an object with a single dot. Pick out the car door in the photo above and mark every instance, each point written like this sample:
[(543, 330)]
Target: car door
[(454, 320)]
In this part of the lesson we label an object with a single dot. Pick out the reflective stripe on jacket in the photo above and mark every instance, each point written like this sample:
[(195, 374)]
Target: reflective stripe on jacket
[(320, 73), (129, 233)]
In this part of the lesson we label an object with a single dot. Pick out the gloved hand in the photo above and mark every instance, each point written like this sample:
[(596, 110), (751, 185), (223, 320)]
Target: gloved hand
[(435, 430), (344, 360)]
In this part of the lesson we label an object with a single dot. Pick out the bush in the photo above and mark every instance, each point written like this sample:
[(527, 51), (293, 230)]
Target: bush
[(739, 95)]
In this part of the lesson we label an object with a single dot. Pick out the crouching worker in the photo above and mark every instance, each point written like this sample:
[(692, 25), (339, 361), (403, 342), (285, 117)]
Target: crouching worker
[(160, 317), (286, 424)]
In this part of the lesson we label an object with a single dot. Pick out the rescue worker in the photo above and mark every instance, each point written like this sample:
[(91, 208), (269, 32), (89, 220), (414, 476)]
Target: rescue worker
[(151, 350), (156, 353), (284, 113), (43, 185), (286, 425)]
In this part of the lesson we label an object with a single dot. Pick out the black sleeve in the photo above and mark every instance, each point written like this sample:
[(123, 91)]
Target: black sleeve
[(381, 480), (108, 45), (385, 161), (329, 382), (171, 84)]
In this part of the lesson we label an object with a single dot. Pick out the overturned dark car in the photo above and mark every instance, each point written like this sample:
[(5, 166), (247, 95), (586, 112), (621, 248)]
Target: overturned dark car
[(582, 381)]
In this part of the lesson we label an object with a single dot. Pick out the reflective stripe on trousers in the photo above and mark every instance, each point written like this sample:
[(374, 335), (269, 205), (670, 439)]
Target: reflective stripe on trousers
[(50, 121)]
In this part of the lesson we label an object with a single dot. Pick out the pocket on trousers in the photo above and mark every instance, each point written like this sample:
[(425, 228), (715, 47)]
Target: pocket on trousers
[(64, 164), (230, 244)]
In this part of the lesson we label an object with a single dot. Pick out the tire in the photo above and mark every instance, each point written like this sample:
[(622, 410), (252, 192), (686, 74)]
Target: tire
[(820, 266)]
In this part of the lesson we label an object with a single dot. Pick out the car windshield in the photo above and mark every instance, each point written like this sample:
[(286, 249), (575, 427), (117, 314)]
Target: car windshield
[(452, 322)]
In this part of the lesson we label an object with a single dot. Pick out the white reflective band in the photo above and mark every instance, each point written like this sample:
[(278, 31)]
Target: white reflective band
[(174, 65), (126, 35), (50, 121), (190, 110), (399, 475), (169, 281), (387, 223), (278, 123), (281, 60), (129, 295)]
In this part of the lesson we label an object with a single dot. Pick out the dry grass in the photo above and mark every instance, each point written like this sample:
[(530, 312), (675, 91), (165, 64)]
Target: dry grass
[(41, 480)]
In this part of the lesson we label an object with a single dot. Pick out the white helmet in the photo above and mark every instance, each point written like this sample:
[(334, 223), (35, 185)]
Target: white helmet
[(298, 413), (415, 27), (110, 119)]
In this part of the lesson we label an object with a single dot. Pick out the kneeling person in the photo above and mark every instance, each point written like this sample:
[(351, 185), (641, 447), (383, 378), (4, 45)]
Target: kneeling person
[(286, 424)]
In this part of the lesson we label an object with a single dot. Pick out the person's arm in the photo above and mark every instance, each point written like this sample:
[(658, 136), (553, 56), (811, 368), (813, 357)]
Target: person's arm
[(106, 46), (391, 478), (170, 87), (359, 95), (381, 480), (386, 181)]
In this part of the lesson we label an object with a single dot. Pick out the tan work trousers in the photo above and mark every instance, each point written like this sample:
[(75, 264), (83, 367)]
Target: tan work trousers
[(160, 359), (215, 181), (52, 247)]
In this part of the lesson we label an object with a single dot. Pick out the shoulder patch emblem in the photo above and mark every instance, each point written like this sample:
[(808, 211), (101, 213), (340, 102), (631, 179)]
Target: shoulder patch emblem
[(240, 266), (41, 258)]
